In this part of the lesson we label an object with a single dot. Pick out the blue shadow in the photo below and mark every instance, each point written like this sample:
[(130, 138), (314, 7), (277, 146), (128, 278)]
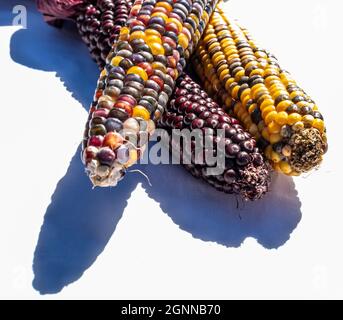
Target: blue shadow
[(80, 221), (214, 216), (77, 226), (46, 48)]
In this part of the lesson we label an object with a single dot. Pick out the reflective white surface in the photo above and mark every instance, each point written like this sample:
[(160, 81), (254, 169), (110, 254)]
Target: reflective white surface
[(178, 238)]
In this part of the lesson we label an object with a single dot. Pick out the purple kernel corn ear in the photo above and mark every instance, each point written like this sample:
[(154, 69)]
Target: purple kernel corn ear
[(244, 171)]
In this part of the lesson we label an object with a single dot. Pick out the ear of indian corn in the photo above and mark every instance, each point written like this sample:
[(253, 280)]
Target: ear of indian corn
[(244, 172), (134, 87), (249, 80)]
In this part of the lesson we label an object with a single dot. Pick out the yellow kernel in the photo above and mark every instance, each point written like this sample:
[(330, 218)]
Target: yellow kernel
[(160, 14), (270, 80), (234, 92), (250, 64), (239, 75), (252, 108), (270, 117), (103, 73), (245, 93), (156, 48), (222, 68), (228, 51), (293, 118), (298, 126), (275, 137), (116, 60), (245, 100), (153, 39), (218, 56), (256, 72), (275, 157), (301, 104), (283, 105), (164, 5), (152, 32), (273, 127), (278, 92), (140, 71), (308, 119), (267, 110), (318, 124), (285, 167), (266, 103), (124, 30), (140, 112), (256, 88), (233, 56), (137, 35), (296, 93), (177, 22), (281, 118), (208, 37), (228, 83), (183, 40)]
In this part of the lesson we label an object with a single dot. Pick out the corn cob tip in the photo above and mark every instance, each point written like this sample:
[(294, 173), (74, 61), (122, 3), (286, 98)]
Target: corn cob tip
[(254, 181), (308, 147), (104, 176)]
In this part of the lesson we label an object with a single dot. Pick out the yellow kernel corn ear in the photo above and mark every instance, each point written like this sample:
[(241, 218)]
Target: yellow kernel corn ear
[(263, 96)]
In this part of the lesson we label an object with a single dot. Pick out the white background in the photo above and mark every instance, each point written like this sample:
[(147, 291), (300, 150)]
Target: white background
[(178, 238)]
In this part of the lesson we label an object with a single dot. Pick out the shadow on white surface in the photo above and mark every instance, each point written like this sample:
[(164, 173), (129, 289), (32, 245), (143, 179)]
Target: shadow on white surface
[(59, 50), (210, 215), (77, 226), (80, 221)]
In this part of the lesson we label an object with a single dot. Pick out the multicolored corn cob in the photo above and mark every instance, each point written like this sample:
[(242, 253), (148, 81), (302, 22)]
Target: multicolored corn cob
[(273, 108), (244, 172), (134, 87)]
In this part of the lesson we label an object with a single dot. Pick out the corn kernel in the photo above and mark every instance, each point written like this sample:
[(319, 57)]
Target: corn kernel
[(318, 124), (281, 118), (285, 167), (293, 118), (273, 127)]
